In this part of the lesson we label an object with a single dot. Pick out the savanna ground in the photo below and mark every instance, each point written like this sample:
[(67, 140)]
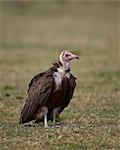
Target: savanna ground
[(32, 36)]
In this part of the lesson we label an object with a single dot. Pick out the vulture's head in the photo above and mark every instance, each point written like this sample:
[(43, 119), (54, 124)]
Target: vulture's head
[(66, 56)]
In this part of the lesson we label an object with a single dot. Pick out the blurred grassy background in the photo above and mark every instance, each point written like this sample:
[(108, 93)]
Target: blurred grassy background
[(32, 36)]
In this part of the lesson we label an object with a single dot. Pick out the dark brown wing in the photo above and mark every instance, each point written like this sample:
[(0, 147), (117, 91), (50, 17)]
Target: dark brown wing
[(72, 86), (68, 90), (39, 90)]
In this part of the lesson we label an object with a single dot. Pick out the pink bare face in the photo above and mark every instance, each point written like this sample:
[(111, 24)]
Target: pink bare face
[(67, 56)]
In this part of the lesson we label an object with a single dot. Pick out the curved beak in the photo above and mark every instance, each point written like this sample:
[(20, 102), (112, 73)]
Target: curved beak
[(75, 56)]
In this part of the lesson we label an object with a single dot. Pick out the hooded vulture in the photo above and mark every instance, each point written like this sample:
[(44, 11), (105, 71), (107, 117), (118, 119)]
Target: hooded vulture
[(50, 92)]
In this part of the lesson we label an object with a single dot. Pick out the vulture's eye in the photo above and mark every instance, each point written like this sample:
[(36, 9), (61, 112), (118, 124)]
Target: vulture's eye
[(66, 55)]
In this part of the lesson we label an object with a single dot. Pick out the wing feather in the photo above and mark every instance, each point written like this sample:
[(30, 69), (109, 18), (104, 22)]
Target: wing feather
[(38, 93), (69, 90)]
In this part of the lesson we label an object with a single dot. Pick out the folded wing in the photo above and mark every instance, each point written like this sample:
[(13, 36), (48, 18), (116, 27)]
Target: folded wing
[(39, 91)]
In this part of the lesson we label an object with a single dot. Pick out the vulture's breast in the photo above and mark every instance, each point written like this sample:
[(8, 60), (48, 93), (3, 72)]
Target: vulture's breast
[(59, 75)]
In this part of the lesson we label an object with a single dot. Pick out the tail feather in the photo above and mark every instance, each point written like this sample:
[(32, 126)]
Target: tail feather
[(26, 116)]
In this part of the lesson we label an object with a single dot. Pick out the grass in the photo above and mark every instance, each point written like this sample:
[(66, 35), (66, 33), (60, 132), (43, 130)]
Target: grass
[(32, 36)]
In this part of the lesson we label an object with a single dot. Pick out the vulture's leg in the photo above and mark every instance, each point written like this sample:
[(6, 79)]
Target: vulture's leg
[(54, 117), (42, 114), (55, 113), (45, 117)]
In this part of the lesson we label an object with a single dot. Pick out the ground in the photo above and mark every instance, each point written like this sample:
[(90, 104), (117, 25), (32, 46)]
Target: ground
[(32, 36)]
